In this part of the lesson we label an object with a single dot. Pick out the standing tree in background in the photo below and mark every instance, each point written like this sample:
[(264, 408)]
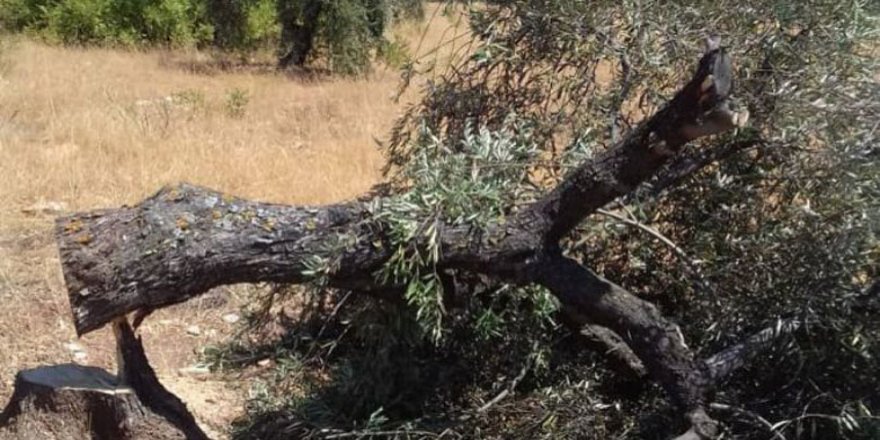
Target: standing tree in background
[(229, 18), (345, 33), (341, 35), (299, 28)]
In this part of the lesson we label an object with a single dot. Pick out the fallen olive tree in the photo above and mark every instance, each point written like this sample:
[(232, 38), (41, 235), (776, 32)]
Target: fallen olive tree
[(186, 240)]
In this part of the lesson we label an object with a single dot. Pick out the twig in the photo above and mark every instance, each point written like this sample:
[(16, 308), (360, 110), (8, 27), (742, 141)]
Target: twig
[(516, 380), (506, 391), (326, 323), (682, 255), (780, 425), (728, 360), (757, 417), (394, 433)]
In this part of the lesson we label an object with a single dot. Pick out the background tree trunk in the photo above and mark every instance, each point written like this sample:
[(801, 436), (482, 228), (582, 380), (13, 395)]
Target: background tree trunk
[(299, 23)]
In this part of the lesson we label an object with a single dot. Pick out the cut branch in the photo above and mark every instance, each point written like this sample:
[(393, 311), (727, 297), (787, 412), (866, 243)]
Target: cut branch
[(590, 298), (185, 240)]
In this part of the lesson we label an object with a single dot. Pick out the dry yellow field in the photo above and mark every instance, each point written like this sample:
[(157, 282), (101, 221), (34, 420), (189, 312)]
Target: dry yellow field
[(82, 129)]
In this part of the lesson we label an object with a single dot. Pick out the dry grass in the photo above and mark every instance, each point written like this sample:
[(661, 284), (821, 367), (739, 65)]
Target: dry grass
[(96, 128)]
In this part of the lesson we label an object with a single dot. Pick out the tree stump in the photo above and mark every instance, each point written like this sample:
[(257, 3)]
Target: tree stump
[(74, 402), (77, 402)]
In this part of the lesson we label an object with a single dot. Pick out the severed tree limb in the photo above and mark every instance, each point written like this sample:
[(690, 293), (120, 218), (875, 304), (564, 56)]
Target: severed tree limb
[(185, 240), (592, 299)]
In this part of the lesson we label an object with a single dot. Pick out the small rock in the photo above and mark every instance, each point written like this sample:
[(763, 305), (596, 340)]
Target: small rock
[(231, 318), (194, 330), (264, 362), (77, 352), (73, 347), (194, 370)]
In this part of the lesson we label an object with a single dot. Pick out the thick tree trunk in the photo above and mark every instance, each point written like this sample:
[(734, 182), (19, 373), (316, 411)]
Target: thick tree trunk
[(185, 240), (229, 18)]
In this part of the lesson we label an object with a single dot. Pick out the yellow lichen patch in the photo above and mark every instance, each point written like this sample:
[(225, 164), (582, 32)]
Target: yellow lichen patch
[(310, 224), (182, 223), (73, 226), (216, 214), (173, 195), (248, 215), (269, 224), (84, 239)]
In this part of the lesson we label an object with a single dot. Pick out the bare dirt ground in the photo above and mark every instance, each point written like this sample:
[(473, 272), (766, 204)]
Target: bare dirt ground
[(82, 129)]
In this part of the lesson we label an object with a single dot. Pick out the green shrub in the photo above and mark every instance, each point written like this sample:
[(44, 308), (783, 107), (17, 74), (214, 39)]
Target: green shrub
[(263, 29), (236, 102), (20, 14), (344, 34), (173, 22), (80, 21)]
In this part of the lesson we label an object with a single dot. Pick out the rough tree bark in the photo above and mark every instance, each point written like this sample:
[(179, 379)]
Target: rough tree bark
[(185, 240)]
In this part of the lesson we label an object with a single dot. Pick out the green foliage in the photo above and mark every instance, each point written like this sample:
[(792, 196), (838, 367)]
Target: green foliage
[(344, 36), (262, 28), (174, 22), (474, 182), (230, 22), (167, 22), (347, 36), (79, 21), (394, 53), (236, 102), (21, 14)]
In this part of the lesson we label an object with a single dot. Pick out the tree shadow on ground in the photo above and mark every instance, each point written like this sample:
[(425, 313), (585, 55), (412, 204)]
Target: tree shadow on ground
[(364, 368)]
